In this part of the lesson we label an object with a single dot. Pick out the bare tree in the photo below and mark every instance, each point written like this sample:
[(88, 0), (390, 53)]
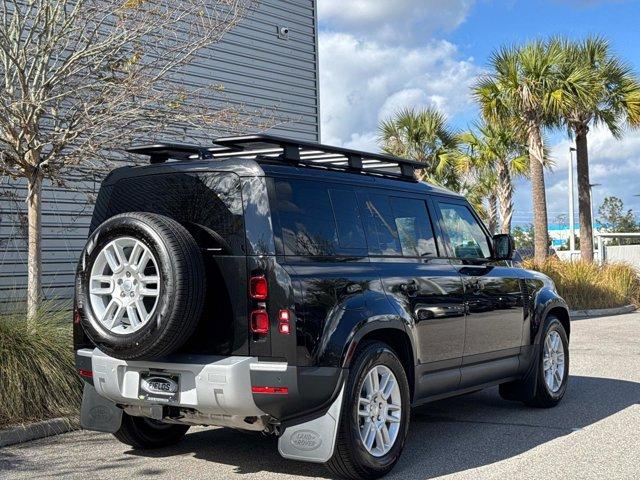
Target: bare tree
[(82, 78)]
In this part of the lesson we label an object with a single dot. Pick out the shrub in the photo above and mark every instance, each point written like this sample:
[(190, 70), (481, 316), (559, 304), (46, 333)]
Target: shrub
[(588, 285), (38, 379)]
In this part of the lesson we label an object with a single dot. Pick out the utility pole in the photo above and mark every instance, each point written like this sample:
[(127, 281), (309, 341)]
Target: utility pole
[(572, 237), (593, 220)]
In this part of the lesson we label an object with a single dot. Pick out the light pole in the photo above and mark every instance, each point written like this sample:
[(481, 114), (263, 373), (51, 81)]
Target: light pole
[(591, 185), (572, 238)]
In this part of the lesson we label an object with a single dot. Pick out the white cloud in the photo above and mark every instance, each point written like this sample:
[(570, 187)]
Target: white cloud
[(364, 81), (393, 21)]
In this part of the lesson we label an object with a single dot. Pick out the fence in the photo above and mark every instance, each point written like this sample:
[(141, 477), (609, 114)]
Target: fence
[(619, 253)]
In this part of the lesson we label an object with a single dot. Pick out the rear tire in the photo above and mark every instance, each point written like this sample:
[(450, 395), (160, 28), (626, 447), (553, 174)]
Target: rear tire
[(145, 433), (534, 390), (352, 458)]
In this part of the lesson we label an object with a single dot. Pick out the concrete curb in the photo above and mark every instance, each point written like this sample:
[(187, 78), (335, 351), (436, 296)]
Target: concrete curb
[(604, 312), (33, 431)]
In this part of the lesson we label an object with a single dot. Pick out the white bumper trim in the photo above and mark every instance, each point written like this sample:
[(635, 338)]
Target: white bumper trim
[(212, 385)]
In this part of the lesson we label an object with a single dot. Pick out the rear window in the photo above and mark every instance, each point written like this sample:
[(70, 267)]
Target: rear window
[(211, 200), (318, 219)]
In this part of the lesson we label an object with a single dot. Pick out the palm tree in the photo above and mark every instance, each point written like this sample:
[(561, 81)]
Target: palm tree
[(518, 92), (423, 135), (596, 88), (498, 148)]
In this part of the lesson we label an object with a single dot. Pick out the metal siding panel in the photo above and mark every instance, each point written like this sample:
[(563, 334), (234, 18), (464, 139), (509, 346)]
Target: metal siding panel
[(256, 68)]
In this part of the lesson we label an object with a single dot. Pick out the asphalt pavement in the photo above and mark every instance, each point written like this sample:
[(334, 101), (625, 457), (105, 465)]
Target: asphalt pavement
[(593, 434)]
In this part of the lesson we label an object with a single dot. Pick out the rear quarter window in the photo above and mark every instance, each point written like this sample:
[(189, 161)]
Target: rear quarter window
[(212, 200), (318, 219)]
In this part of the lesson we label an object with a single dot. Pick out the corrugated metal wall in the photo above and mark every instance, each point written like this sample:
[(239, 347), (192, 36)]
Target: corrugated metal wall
[(259, 71)]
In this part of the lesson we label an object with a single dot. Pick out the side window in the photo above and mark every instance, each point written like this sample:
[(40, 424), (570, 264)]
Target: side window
[(318, 220), (414, 228), (380, 225), (397, 226), (351, 238), (466, 237)]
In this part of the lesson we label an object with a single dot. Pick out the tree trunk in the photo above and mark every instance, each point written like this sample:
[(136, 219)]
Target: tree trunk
[(492, 213), (505, 196), (584, 194), (538, 194), (34, 264)]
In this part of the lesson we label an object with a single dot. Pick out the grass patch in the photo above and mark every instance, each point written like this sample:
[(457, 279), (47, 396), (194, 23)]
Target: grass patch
[(588, 285), (38, 378)]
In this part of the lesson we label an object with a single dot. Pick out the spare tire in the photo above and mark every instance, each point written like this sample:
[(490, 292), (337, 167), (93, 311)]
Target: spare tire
[(141, 286)]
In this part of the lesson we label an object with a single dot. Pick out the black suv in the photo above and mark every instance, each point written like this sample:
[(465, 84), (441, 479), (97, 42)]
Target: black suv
[(301, 290)]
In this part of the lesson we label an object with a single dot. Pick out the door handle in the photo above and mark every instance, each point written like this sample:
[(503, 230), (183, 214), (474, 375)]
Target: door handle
[(410, 287)]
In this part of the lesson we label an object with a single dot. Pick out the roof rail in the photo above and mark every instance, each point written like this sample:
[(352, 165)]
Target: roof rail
[(285, 150)]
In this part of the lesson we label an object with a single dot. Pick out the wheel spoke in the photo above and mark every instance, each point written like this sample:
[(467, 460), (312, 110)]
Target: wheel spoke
[(557, 377), (132, 315), (135, 255), (111, 308), (370, 435), (392, 419), (112, 260), (386, 438), (388, 388), (375, 380), (96, 287), (380, 440), (117, 316)]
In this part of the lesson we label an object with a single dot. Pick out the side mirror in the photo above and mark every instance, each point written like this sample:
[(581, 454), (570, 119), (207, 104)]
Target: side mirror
[(503, 246)]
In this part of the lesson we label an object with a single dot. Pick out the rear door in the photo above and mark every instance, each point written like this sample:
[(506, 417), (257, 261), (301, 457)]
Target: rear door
[(495, 314), (425, 289)]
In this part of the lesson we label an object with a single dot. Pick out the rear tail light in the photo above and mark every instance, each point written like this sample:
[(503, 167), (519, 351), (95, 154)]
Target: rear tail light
[(77, 318), (259, 321), (284, 326), (259, 289), (85, 373), (271, 390)]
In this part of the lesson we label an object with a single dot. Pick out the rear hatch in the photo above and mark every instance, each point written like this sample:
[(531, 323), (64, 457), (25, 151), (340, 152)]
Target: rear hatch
[(209, 204)]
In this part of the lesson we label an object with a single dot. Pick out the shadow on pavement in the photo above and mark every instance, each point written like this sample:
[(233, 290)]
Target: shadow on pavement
[(445, 437)]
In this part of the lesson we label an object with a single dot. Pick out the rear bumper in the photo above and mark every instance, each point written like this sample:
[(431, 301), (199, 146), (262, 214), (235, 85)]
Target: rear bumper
[(214, 386)]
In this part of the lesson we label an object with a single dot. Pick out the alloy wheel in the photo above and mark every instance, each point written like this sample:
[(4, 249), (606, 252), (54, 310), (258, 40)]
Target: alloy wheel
[(553, 361), (124, 286), (379, 410)]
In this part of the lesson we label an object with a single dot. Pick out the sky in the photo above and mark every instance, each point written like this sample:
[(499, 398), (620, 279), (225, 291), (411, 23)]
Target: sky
[(377, 56)]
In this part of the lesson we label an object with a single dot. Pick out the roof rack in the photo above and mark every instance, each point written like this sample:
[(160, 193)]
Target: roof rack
[(161, 152), (285, 150)]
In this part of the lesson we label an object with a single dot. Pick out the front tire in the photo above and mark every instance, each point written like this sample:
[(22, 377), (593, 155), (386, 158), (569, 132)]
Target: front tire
[(375, 415), (145, 433), (546, 383)]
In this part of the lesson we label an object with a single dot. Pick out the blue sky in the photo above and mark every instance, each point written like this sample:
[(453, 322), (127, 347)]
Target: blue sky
[(377, 56)]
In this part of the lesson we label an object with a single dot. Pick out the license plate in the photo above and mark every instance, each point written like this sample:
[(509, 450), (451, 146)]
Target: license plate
[(159, 387)]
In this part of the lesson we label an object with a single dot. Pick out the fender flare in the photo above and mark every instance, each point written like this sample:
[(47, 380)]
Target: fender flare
[(545, 301), (373, 324)]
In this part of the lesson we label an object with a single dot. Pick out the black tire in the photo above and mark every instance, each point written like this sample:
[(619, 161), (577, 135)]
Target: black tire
[(351, 459), (533, 389), (181, 289), (145, 433)]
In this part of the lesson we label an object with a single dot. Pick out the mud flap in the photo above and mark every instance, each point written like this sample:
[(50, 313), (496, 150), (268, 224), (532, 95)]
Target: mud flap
[(315, 440), (98, 413)]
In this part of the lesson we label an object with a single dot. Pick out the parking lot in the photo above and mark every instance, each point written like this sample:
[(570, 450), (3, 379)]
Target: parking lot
[(594, 433)]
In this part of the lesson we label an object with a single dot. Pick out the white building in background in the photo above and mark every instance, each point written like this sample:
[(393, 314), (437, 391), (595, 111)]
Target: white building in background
[(559, 234)]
